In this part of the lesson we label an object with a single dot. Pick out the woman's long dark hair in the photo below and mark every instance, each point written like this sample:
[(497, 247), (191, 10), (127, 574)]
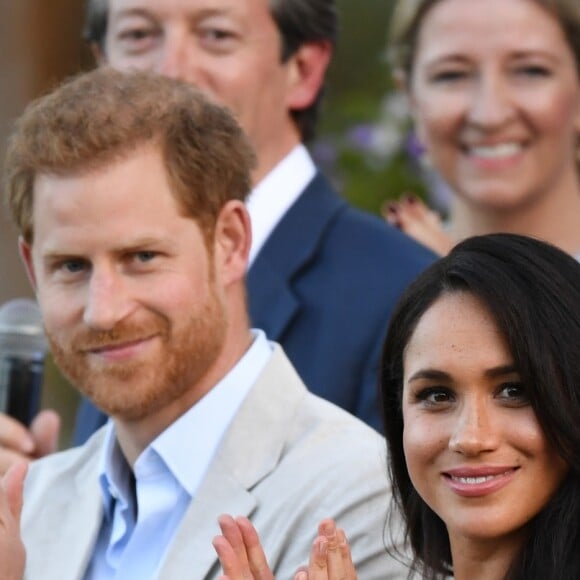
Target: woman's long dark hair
[(532, 289)]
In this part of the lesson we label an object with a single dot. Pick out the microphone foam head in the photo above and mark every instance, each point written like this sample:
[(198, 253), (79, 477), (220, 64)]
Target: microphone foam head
[(21, 329)]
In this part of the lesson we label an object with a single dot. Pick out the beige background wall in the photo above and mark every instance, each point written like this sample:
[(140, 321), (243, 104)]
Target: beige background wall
[(39, 44)]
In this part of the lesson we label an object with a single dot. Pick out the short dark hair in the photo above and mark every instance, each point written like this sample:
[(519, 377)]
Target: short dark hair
[(299, 22), (100, 116), (532, 290)]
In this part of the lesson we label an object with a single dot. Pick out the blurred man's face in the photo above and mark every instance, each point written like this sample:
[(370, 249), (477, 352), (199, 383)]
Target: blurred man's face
[(231, 49)]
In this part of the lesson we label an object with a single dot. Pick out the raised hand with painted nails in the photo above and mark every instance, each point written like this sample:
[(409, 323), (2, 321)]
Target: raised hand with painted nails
[(413, 217), (242, 557)]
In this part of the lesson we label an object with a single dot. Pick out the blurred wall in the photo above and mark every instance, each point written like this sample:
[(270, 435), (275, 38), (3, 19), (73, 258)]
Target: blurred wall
[(39, 45)]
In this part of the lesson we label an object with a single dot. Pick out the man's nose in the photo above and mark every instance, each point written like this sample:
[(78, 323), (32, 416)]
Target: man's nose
[(108, 300), (474, 431), (177, 58)]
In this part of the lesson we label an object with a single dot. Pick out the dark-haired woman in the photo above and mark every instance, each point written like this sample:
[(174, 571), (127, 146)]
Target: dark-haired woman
[(481, 396)]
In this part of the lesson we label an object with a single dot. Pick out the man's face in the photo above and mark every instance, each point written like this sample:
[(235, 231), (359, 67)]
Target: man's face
[(133, 304), (231, 49)]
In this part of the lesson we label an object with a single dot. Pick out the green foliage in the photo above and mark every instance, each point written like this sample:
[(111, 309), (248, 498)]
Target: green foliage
[(365, 131)]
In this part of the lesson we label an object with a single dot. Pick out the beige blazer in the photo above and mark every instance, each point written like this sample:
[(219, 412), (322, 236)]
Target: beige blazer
[(288, 460)]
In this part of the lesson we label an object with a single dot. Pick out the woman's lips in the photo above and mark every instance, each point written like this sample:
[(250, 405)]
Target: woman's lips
[(477, 482)]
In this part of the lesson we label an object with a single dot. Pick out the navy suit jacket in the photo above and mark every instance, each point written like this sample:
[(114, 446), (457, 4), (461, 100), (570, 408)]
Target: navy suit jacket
[(324, 285)]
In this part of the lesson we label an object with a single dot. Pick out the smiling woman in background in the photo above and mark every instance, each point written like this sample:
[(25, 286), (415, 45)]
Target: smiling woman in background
[(481, 398), (494, 90)]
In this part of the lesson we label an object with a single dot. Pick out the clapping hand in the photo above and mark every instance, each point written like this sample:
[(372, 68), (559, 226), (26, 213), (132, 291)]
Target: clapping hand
[(242, 556)]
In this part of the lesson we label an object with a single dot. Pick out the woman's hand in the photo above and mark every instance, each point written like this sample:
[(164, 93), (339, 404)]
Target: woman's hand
[(330, 557), (240, 551), (242, 556), (414, 218)]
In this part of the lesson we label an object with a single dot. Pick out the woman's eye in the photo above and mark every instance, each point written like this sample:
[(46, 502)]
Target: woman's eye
[(449, 76), (433, 396), (533, 71), (514, 393)]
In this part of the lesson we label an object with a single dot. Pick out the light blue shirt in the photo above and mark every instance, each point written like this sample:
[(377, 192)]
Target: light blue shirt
[(141, 518)]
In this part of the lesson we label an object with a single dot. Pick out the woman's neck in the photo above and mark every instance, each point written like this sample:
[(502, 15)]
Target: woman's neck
[(477, 559), (553, 217)]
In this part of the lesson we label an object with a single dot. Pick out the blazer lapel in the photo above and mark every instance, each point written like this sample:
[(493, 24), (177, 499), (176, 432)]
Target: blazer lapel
[(234, 471), (69, 530), (292, 245)]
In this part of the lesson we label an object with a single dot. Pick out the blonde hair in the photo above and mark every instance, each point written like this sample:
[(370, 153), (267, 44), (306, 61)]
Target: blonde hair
[(408, 16)]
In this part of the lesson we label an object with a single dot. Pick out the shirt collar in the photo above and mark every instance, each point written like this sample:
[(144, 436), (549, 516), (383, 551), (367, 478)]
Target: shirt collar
[(187, 446), (273, 196)]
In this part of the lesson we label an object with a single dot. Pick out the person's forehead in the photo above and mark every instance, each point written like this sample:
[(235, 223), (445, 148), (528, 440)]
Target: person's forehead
[(190, 7)]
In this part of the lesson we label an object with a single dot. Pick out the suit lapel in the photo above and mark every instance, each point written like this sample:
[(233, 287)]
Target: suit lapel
[(227, 487), (292, 245), (70, 524)]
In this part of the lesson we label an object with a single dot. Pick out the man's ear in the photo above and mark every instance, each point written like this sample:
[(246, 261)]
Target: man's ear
[(25, 251), (306, 73), (232, 240), (98, 54)]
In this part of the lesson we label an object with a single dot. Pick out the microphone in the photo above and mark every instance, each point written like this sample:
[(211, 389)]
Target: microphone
[(22, 351)]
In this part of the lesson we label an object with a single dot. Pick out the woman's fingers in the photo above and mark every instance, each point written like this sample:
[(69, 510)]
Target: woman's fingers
[(240, 551), (255, 553), (330, 557)]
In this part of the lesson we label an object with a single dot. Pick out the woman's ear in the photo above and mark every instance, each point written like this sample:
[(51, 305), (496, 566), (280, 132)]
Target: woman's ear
[(232, 241)]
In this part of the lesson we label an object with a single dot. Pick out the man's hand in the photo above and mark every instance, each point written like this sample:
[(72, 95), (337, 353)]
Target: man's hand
[(17, 443), (12, 552)]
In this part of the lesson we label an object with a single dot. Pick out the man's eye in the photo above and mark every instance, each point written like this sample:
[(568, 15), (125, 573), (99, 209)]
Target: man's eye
[(145, 256), (73, 266), (135, 34), (216, 33)]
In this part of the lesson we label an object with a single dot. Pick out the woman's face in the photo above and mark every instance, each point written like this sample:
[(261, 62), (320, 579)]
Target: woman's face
[(474, 448), (496, 98)]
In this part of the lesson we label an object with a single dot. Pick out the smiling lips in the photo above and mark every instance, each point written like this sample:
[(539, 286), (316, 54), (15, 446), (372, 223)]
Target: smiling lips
[(470, 482), (120, 351), (494, 156)]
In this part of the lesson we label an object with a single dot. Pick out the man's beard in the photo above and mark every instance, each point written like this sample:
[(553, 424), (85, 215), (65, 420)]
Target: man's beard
[(134, 389)]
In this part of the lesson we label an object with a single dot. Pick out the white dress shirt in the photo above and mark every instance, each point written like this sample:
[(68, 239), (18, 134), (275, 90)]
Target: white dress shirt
[(273, 196)]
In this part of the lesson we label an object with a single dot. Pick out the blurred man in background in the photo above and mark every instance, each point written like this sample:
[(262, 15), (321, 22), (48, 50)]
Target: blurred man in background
[(323, 277)]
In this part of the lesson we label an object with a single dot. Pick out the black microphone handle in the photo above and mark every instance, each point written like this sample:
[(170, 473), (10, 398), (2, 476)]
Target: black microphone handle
[(20, 387)]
